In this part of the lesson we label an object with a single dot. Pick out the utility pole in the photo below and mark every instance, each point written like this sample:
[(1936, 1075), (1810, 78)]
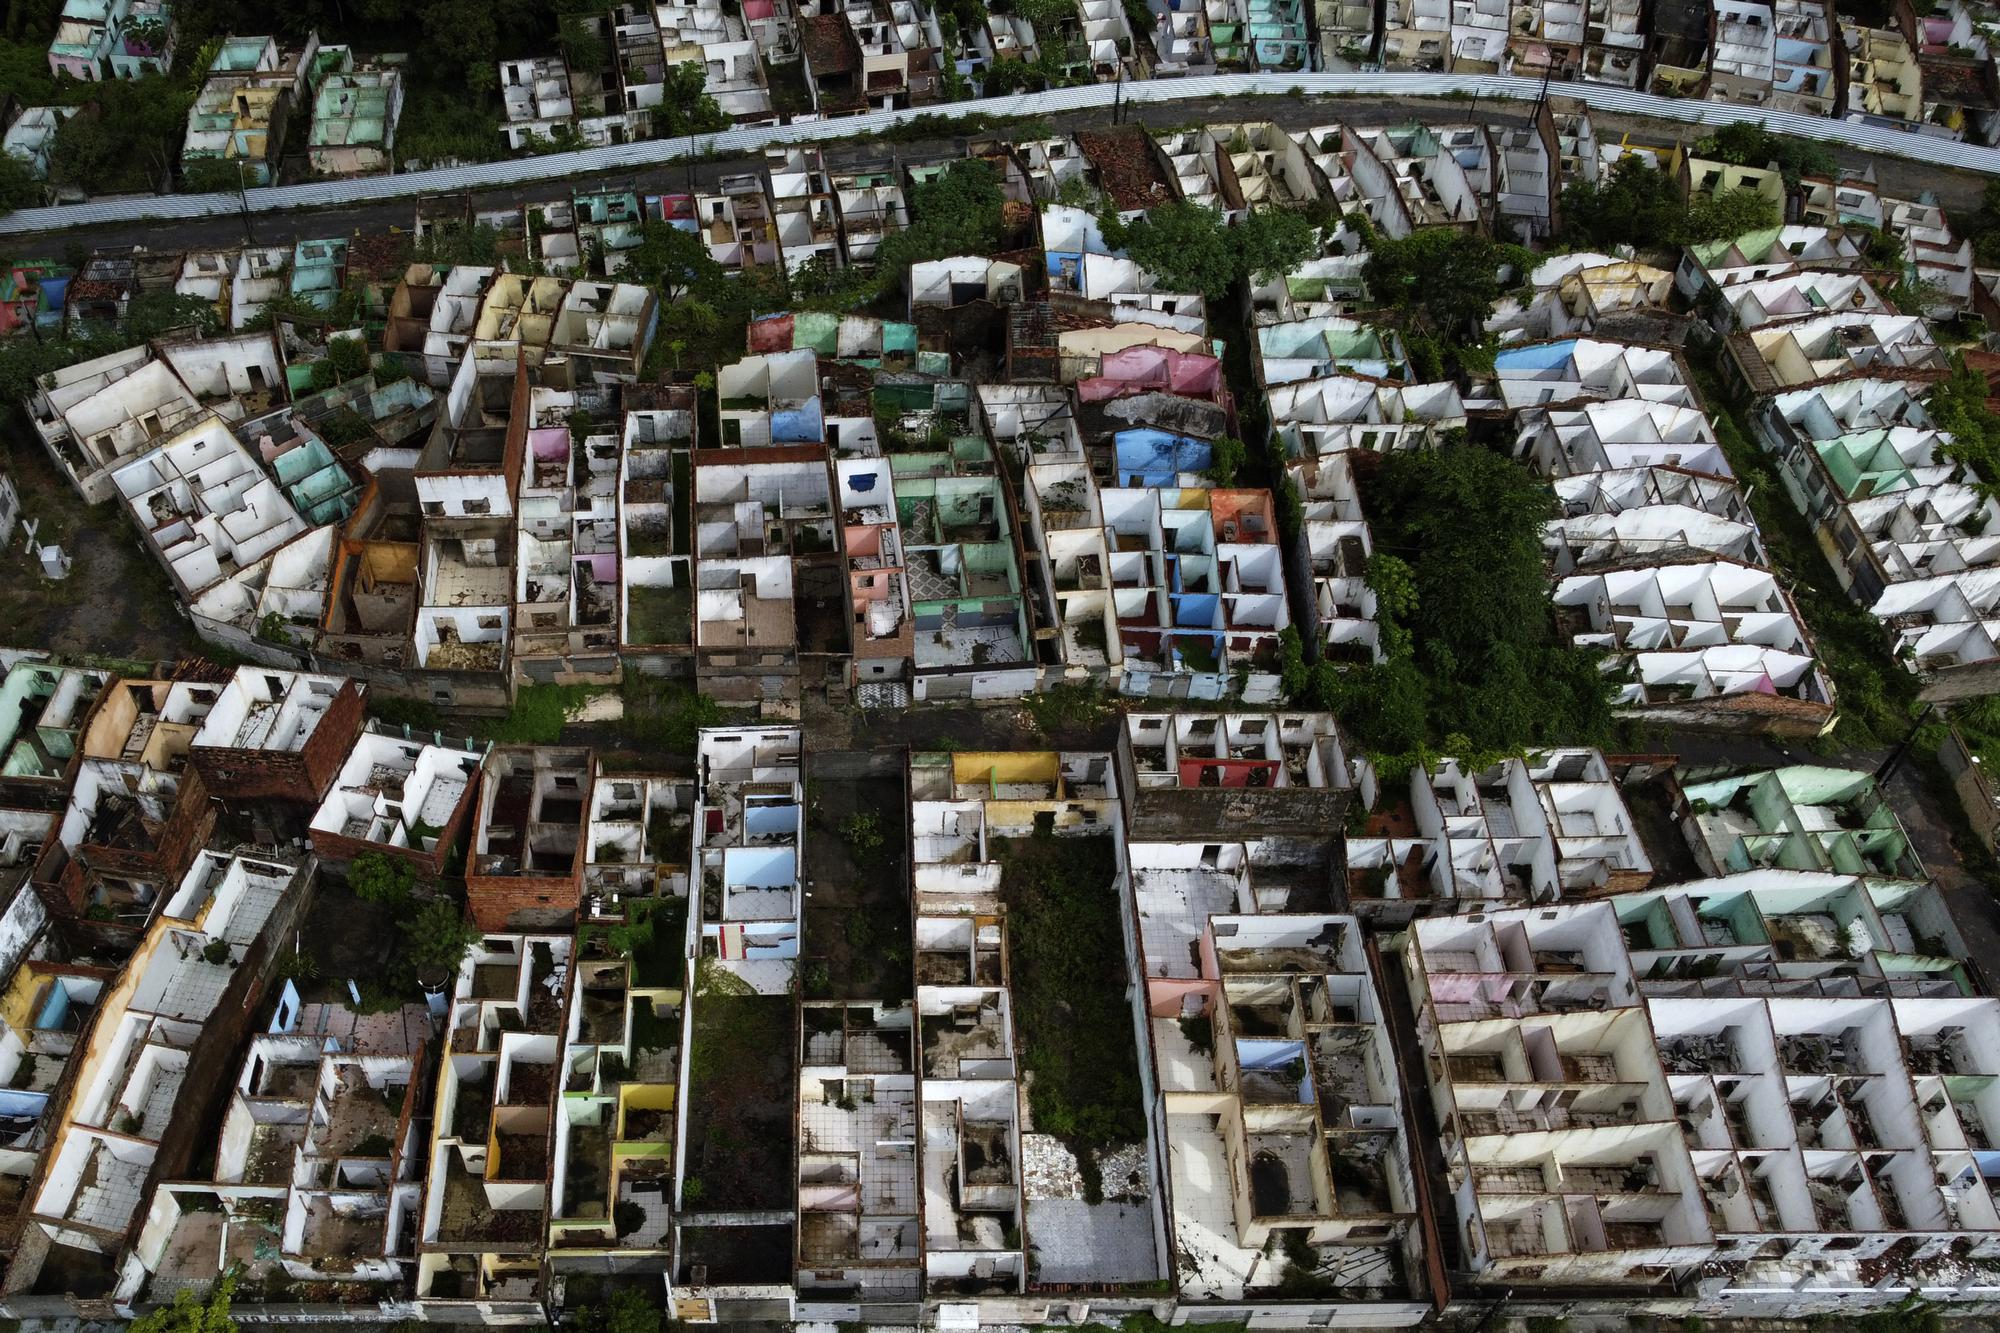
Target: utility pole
[(1542, 97), (1118, 94), (243, 198), (1895, 758)]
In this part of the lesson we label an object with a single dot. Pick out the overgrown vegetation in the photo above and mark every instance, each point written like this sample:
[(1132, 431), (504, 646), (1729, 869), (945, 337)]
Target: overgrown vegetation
[(377, 877), (24, 360), (664, 715), (539, 714), (740, 1137), (191, 1315), (862, 832), (1439, 287), (1190, 248), (1639, 206), (1876, 697), (1473, 665), (1748, 144), (958, 211), (1069, 982), (1068, 705), (1958, 405), (628, 1310), (436, 938), (653, 937)]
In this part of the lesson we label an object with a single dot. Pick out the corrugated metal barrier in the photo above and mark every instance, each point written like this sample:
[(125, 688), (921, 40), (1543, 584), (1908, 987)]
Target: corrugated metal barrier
[(654, 152)]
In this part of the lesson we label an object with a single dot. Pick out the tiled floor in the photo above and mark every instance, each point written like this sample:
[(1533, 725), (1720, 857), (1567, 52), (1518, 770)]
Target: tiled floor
[(1212, 1265), (869, 1053), (185, 988), (159, 1107), (111, 1200), (881, 1136), (1182, 1068), (253, 909), (652, 1234), (929, 583), (1074, 1241), (1174, 907), (441, 800)]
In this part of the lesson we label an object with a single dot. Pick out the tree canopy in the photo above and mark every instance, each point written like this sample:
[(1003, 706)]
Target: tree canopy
[(1190, 248), (671, 259), (125, 137), (1745, 144), (1725, 216), (627, 1311), (1639, 206), (1473, 661), (436, 937), (1636, 205), (687, 107), (20, 187), (1441, 287)]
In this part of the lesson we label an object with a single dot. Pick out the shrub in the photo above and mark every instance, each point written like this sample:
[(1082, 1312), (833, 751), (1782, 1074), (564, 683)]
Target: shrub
[(862, 832), (438, 937), (377, 877)]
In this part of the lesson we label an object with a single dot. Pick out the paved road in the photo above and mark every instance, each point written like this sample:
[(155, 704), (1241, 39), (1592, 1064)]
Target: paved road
[(1957, 189)]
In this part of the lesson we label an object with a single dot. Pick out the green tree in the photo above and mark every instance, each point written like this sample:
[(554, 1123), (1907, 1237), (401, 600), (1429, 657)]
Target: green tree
[(1958, 405), (1745, 144), (188, 1315), (1185, 246), (377, 877), (20, 187), (212, 175), (687, 330), (584, 48), (1444, 282), (124, 138), (1726, 216), (823, 284), (159, 311), (687, 107), (959, 211), (345, 359), (1635, 205), (1229, 453), (673, 260), (628, 1311), (469, 30), (1884, 249), (1472, 657), (1271, 242), (437, 937)]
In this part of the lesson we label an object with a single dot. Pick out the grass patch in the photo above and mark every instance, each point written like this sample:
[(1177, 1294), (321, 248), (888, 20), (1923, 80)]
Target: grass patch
[(683, 500), (1067, 705), (666, 714), (659, 615), (740, 1075), (1069, 980), (1876, 697), (538, 715), (653, 937)]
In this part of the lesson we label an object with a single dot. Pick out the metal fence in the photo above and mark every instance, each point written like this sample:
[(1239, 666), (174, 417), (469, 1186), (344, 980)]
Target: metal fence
[(654, 152)]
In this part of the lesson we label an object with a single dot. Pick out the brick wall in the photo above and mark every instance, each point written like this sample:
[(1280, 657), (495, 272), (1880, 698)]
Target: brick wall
[(301, 775)]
